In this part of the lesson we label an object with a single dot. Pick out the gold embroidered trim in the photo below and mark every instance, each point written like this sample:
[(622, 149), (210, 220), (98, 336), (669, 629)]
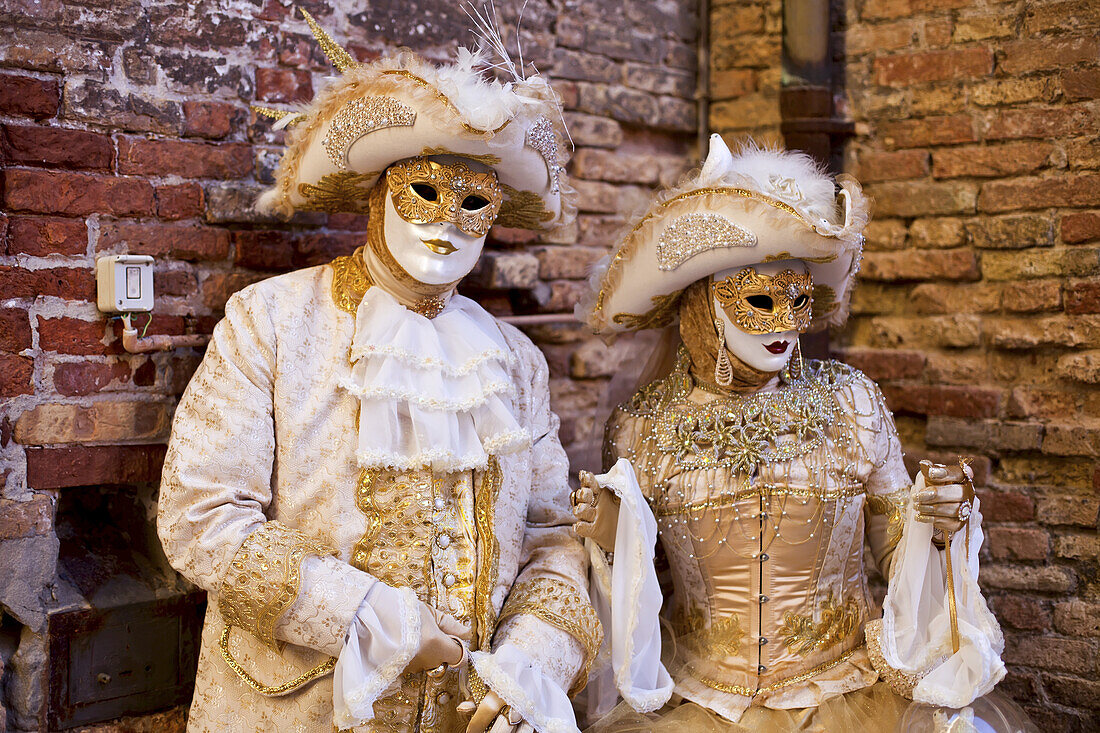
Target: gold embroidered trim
[(264, 577), (522, 209), (365, 502), (350, 281), (749, 692), (899, 681), (560, 604), (335, 53), (838, 622), (893, 506), (488, 551), (320, 670), (660, 315), (722, 638), (445, 100), (764, 489), (343, 191)]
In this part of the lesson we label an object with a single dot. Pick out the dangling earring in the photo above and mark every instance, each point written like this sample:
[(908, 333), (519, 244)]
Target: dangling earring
[(796, 355), (723, 369)]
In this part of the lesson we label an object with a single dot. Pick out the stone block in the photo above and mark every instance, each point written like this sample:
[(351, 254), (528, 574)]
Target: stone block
[(28, 518)]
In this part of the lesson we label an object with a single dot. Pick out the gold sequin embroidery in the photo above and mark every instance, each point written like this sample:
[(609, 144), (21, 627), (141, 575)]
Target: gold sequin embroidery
[(750, 692), (563, 606), (893, 506), (263, 579), (350, 281), (693, 234), (359, 117), (838, 622), (660, 315)]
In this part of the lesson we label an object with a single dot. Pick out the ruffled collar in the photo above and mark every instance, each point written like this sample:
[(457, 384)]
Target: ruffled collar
[(433, 392)]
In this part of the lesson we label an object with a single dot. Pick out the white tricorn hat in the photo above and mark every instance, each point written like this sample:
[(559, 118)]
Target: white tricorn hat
[(760, 205), (403, 106)]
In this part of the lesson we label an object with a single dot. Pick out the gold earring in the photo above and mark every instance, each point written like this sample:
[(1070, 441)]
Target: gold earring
[(797, 355), (723, 369)]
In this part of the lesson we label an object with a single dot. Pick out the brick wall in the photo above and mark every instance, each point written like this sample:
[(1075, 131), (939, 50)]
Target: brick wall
[(979, 307), (125, 127), (746, 40)]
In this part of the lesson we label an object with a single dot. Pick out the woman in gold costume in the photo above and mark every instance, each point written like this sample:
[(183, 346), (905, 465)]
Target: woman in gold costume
[(763, 475)]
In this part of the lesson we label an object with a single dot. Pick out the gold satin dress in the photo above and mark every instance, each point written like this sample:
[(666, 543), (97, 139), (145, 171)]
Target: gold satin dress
[(763, 504)]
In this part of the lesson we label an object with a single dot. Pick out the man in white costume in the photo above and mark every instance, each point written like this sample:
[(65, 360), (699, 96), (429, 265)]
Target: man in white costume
[(364, 472)]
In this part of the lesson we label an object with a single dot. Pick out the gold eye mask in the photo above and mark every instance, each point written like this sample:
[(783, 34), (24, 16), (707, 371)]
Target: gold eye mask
[(427, 192), (760, 304)]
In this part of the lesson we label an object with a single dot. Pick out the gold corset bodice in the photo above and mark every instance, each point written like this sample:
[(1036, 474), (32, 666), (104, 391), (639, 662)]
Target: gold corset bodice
[(760, 503)]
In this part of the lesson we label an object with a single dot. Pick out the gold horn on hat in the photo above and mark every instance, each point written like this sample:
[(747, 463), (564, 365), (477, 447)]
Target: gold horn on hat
[(340, 58)]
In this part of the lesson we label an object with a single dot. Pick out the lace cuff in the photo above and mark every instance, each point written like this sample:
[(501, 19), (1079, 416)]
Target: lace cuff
[(264, 579), (522, 684), (560, 605)]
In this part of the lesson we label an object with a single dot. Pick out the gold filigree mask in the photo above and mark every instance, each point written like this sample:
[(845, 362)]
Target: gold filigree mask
[(760, 304), (428, 192)]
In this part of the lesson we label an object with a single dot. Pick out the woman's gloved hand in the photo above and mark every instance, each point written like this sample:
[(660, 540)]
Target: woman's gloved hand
[(597, 512), (947, 497)]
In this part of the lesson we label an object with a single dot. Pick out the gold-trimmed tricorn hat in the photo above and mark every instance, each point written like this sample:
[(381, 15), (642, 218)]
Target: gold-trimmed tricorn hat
[(403, 106), (761, 205)]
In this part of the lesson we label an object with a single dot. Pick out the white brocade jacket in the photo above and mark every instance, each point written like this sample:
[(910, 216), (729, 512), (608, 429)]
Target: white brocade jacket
[(264, 505)]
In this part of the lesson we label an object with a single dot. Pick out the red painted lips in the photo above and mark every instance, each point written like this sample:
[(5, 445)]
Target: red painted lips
[(777, 347)]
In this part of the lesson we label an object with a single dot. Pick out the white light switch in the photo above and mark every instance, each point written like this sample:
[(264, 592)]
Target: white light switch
[(124, 283)]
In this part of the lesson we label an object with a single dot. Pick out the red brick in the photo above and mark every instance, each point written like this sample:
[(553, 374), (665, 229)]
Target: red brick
[(57, 468), (1019, 543), (1077, 618), (917, 68), (179, 202), (87, 377), (1083, 227), (1050, 652), (41, 236), (264, 250), (1083, 296), (892, 166), (1074, 691), (59, 282), (1020, 612), (16, 375), (1007, 506), (77, 194), (29, 97), (174, 282), (927, 131), (1082, 84), (185, 159), (1044, 124), (283, 85), (318, 249), (921, 264), (211, 119), (15, 330), (1040, 193), (1035, 54), (950, 400), (180, 242), (218, 286), (57, 147), (29, 518), (880, 364), (75, 336), (1001, 160)]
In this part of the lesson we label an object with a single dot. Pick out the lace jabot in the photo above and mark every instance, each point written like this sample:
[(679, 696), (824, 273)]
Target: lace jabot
[(433, 392)]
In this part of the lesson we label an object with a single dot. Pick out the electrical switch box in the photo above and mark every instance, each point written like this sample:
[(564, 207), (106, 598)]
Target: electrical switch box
[(124, 283)]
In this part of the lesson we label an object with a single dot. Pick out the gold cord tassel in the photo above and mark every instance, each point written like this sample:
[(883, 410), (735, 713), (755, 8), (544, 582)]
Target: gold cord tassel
[(723, 369), (340, 58)]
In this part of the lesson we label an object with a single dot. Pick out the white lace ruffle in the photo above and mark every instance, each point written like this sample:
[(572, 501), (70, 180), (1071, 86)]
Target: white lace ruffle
[(383, 640), (916, 627), (432, 392), (512, 675), (633, 597)]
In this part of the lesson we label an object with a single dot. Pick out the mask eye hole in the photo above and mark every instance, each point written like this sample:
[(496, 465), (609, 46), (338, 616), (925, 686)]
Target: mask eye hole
[(473, 203), (424, 191), (801, 300), (760, 302)]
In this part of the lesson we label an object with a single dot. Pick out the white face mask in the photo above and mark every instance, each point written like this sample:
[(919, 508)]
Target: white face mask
[(435, 254), (768, 352)]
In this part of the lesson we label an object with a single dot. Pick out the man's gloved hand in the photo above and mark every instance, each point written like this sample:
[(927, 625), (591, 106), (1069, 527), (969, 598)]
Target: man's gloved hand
[(496, 712), (440, 640), (597, 512)]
